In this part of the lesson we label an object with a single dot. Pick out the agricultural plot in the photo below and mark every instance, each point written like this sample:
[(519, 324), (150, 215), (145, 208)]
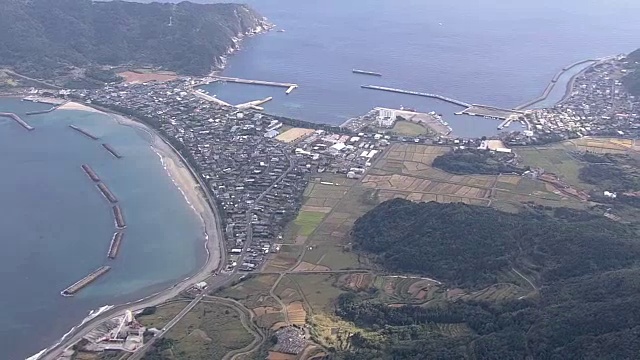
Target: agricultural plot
[(163, 314), (600, 145), (253, 292), (208, 331)]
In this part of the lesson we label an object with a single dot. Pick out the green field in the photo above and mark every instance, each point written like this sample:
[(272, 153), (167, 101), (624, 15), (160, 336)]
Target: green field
[(308, 221), (209, 331), (409, 128)]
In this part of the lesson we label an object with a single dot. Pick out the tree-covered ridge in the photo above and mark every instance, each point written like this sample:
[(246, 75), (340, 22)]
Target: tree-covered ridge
[(473, 161), (469, 246), (46, 38), (589, 317), (587, 305)]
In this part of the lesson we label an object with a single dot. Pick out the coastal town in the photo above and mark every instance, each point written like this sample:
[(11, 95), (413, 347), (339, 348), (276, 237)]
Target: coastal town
[(255, 171), (256, 166)]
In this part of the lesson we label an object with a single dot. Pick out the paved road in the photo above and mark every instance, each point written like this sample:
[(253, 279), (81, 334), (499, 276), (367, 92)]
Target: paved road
[(140, 353)]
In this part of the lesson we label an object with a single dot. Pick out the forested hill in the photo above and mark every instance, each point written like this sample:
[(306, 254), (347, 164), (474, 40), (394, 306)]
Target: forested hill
[(470, 246), (46, 38), (586, 304), (632, 80)]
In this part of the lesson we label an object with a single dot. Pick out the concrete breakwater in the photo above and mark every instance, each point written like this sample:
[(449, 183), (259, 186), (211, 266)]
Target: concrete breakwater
[(17, 119), (119, 218), (112, 151), (114, 246), (84, 132), (417, 93), (80, 284), (54, 107), (107, 193), (552, 84), (92, 174)]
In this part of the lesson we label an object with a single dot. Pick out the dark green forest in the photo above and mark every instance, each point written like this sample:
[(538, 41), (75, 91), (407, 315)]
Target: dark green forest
[(632, 80), (471, 161), (47, 38), (585, 267), (468, 246)]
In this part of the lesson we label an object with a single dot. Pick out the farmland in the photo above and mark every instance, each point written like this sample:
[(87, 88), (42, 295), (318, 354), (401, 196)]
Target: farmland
[(316, 262)]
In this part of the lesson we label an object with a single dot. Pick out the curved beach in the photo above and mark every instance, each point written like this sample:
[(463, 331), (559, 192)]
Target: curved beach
[(195, 195)]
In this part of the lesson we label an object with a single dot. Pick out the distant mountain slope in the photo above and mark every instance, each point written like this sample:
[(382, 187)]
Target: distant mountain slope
[(46, 38)]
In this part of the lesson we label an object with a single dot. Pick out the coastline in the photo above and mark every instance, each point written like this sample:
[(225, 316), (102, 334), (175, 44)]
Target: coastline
[(191, 187)]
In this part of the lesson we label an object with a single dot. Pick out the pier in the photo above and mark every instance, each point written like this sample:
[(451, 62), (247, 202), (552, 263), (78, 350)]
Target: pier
[(114, 246), (416, 93), (17, 119), (254, 104), (553, 82), (118, 217), (107, 193), (208, 97), (290, 86), (92, 174), (80, 284), (112, 151), (84, 132), (42, 111)]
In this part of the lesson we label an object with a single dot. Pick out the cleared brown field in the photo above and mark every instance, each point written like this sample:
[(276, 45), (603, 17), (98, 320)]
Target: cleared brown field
[(273, 355), (296, 313), (357, 282), (136, 77), (294, 134), (305, 266)]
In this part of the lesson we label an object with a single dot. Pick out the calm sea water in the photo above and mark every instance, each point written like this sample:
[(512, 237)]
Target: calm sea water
[(56, 226), (495, 52)]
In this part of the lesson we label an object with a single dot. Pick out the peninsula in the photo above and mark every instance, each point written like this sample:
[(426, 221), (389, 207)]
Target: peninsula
[(83, 43)]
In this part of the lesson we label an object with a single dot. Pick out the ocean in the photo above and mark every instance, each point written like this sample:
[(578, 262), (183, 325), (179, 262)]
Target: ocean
[(494, 52), (56, 226)]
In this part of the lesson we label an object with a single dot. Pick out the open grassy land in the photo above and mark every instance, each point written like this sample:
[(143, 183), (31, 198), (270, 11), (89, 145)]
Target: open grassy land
[(209, 331), (409, 128), (164, 313)]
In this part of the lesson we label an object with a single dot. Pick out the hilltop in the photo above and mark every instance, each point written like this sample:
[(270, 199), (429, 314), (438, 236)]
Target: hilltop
[(581, 267), (48, 39)]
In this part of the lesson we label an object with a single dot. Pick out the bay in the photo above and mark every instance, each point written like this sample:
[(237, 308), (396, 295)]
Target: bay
[(501, 53), (56, 226)]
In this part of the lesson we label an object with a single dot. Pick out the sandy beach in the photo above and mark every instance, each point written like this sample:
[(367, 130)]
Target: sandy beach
[(190, 188), (182, 177), (77, 106)]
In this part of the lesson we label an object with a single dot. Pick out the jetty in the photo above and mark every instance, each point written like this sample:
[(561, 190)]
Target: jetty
[(553, 82), (80, 284), (365, 72), (84, 132), (119, 218), (290, 86), (112, 151), (114, 246), (205, 96), (254, 104), (417, 93), (89, 171), (107, 193), (17, 119)]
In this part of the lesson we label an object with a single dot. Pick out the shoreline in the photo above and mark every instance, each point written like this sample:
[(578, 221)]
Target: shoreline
[(190, 185)]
